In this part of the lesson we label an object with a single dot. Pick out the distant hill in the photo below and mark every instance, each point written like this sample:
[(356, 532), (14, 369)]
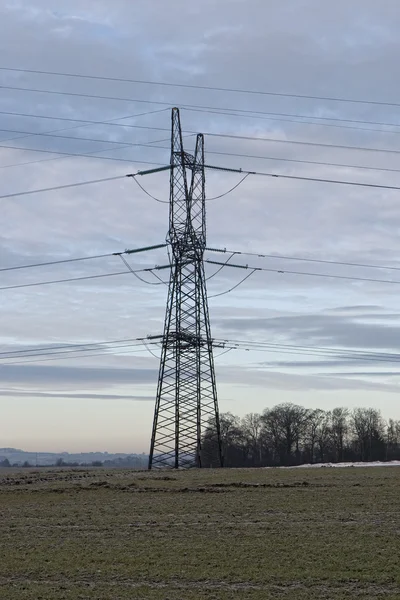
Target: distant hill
[(19, 457)]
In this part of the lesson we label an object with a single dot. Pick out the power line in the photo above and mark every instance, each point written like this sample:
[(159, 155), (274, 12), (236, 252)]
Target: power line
[(214, 250), (94, 96), (328, 349), (86, 277), (230, 190), (67, 155), (62, 187), (74, 351), (88, 122), (86, 155), (75, 154), (226, 264), (148, 193), (302, 259), (303, 273), (55, 262), (321, 351), (204, 87), (151, 145), (273, 175), (309, 353), (319, 163), (128, 266), (295, 177), (141, 101), (343, 353), (80, 356), (322, 180), (245, 346), (284, 118), (234, 287), (295, 142), (69, 345), (207, 199), (26, 285), (209, 134), (268, 116), (52, 132), (81, 258), (122, 145), (220, 268)]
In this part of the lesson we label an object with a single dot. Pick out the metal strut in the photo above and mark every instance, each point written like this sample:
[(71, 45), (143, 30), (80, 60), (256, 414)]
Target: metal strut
[(186, 428)]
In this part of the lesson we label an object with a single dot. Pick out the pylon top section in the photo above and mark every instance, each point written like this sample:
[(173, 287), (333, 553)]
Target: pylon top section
[(187, 223)]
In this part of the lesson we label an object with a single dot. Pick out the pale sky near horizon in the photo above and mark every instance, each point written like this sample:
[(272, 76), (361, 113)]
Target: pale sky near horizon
[(299, 47)]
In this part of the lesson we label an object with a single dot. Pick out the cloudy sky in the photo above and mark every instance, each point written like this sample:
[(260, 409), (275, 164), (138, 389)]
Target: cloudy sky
[(104, 400)]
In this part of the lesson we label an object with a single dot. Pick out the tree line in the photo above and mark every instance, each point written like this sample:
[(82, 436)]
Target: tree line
[(288, 435), (133, 462)]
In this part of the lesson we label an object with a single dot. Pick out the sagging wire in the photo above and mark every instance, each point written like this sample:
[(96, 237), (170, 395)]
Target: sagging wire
[(225, 352), (159, 278), (150, 351), (133, 176), (229, 191), (148, 193), (235, 286), (207, 199), (220, 269), (135, 274)]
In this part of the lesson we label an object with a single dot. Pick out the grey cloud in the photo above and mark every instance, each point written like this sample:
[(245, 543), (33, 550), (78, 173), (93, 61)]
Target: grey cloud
[(321, 329), (357, 309), (365, 374), (276, 380), (334, 363)]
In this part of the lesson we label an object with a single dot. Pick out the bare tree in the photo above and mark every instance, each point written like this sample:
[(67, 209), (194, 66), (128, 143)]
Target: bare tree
[(368, 427), (289, 434), (314, 420), (392, 439), (324, 436), (252, 430), (339, 428), (285, 425)]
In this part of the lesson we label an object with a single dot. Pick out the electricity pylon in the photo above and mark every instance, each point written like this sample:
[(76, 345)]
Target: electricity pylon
[(186, 428)]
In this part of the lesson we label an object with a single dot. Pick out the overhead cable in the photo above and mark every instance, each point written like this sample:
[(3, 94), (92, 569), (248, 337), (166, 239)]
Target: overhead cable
[(269, 116), (205, 133), (303, 273), (62, 187), (82, 258), (227, 169), (235, 286), (86, 277), (302, 259), (203, 87), (141, 101)]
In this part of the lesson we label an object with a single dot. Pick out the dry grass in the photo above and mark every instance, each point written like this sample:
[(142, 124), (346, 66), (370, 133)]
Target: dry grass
[(251, 534)]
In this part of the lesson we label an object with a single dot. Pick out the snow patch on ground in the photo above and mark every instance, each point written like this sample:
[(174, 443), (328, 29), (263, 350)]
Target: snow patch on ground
[(392, 463)]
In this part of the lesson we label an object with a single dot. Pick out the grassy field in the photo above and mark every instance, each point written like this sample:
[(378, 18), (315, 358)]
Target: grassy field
[(251, 534)]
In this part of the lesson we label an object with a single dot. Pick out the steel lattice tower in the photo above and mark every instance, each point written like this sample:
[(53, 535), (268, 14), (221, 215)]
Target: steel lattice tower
[(186, 429)]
